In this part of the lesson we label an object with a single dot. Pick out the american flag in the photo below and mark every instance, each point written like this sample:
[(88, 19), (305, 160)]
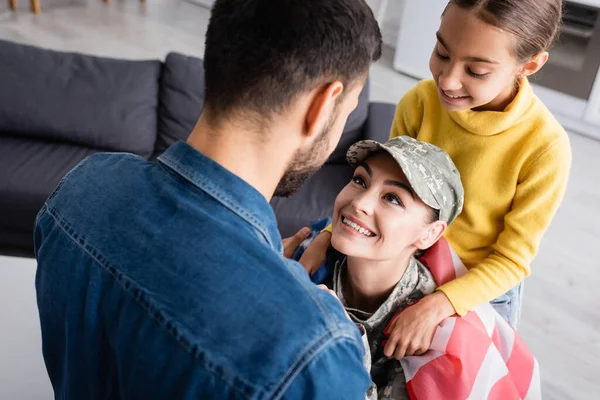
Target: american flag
[(478, 356)]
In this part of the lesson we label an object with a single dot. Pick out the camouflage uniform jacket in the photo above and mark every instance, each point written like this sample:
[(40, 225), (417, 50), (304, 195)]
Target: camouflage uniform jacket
[(386, 374)]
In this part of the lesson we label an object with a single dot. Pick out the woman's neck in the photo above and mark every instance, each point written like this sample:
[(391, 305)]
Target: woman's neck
[(367, 284)]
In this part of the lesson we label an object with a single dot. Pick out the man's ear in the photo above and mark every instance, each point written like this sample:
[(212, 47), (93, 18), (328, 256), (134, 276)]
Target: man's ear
[(321, 107), (534, 64), (433, 232)]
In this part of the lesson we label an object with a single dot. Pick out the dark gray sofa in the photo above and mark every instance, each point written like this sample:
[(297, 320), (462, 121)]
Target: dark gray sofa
[(57, 108)]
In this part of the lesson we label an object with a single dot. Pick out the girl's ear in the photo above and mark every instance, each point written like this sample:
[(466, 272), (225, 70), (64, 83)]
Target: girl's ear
[(433, 232), (534, 64)]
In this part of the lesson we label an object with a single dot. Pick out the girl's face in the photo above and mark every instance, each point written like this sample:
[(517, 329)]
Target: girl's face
[(473, 63), (378, 217)]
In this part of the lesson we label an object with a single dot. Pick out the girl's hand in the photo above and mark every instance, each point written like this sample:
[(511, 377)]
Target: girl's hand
[(411, 331)]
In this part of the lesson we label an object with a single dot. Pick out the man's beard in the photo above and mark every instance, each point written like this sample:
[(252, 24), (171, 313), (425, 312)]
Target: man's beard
[(305, 163)]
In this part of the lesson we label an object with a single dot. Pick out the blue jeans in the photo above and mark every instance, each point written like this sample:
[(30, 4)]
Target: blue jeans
[(509, 305)]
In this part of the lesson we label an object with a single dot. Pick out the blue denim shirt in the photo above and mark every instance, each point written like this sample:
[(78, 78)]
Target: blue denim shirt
[(166, 280)]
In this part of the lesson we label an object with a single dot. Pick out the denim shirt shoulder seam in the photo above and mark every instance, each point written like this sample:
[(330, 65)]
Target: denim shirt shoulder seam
[(217, 194), (64, 179), (64, 225), (315, 348)]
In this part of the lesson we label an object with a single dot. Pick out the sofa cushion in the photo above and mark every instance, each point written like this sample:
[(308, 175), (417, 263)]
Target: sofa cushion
[(30, 170), (91, 101), (314, 200), (353, 131), (181, 99)]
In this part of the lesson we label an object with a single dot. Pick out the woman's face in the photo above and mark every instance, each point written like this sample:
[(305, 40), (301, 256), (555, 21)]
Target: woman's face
[(472, 63), (378, 217)]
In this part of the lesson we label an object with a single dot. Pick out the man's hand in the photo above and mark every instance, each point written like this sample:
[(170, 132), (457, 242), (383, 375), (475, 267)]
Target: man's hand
[(315, 253), (291, 244), (331, 292), (326, 289), (411, 331)]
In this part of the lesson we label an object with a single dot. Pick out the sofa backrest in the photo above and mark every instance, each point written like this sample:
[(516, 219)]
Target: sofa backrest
[(182, 100), (96, 102), (353, 131)]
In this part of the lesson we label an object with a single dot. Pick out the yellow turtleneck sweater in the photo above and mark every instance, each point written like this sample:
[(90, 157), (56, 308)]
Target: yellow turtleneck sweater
[(514, 167)]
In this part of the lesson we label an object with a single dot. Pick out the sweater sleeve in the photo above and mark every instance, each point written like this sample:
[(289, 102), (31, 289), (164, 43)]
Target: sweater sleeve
[(409, 114), (539, 193)]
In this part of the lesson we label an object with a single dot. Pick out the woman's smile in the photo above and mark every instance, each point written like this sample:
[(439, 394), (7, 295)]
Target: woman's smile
[(354, 226)]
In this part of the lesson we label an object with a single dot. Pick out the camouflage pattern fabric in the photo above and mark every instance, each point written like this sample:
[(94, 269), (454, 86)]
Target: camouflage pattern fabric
[(386, 374)]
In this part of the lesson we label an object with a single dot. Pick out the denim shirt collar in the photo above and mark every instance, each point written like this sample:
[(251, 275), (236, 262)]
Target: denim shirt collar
[(225, 187)]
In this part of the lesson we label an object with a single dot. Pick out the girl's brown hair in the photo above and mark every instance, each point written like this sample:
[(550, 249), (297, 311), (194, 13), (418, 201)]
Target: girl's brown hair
[(535, 23)]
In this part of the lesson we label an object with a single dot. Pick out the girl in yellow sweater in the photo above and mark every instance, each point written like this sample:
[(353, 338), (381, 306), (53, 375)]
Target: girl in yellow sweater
[(513, 156)]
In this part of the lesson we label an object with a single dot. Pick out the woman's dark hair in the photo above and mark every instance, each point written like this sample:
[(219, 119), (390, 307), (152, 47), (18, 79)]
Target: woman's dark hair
[(434, 215), (535, 23)]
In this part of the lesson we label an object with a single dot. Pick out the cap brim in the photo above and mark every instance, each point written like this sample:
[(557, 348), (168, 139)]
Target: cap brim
[(360, 151)]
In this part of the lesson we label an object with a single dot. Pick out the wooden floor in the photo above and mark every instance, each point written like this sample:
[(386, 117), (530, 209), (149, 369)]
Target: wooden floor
[(561, 316)]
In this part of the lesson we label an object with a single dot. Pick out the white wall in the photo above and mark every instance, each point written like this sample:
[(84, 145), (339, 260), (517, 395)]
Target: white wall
[(22, 371), (390, 24)]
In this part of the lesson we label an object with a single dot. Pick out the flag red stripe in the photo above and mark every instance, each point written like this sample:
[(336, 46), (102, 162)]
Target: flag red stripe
[(452, 375), (470, 342), (438, 259), (520, 366), (504, 389), (441, 378)]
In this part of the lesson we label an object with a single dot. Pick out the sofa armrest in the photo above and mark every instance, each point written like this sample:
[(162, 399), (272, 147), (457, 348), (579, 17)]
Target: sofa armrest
[(379, 122)]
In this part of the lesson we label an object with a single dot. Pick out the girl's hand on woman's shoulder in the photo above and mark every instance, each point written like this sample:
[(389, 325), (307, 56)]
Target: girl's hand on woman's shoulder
[(411, 331)]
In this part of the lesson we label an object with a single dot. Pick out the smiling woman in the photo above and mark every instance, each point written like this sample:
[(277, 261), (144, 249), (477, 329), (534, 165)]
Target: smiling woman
[(380, 204), (403, 195)]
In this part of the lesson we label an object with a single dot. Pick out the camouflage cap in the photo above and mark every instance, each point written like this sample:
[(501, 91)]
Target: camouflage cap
[(429, 170)]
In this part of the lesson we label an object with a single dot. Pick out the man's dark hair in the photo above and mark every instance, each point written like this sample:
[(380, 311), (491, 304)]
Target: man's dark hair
[(261, 54)]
